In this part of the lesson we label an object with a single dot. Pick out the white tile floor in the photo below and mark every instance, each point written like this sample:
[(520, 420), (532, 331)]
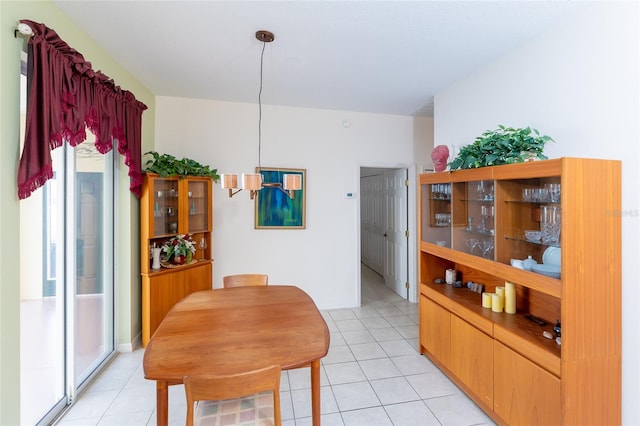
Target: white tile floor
[(373, 375)]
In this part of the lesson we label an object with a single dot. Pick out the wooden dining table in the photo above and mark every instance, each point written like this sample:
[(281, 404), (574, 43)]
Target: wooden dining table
[(232, 330)]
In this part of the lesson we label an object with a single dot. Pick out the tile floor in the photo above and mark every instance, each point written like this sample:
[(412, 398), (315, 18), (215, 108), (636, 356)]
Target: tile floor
[(372, 375)]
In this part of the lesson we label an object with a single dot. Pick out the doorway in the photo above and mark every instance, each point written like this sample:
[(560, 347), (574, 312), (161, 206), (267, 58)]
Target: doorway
[(385, 230)]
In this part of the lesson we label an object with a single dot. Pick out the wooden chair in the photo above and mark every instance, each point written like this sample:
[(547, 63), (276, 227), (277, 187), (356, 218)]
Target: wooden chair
[(251, 396), (244, 280)]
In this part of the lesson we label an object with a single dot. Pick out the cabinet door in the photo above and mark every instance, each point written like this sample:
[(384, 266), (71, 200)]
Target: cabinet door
[(198, 279), (436, 213), (198, 206), (473, 218), (472, 358), (164, 207), (524, 394), (435, 330), (161, 291)]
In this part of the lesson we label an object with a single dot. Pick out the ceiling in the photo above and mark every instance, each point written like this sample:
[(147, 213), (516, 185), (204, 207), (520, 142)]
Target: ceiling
[(371, 56)]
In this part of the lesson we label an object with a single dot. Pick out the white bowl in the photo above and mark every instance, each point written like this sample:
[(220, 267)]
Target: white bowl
[(548, 270), (533, 235), (552, 256), (441, 243)]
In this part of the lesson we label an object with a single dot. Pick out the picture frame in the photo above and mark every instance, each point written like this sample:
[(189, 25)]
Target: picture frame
[(274, 209)]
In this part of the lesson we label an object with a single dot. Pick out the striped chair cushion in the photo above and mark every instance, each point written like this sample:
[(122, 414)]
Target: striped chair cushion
[(254, 410)]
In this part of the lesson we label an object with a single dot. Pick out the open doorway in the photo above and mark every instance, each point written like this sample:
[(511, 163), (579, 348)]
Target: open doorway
[(385, 227)]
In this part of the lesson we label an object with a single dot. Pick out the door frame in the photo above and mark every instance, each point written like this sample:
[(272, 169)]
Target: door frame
[(412, 227)]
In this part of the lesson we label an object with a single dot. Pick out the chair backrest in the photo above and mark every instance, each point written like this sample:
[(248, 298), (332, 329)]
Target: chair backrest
[(217, 388), (244, 280)]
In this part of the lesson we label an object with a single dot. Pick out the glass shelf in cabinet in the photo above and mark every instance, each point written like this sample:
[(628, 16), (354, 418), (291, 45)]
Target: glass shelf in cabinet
[(537, 242), (537, 203), (486, 233), (441, 243), (479, 200)]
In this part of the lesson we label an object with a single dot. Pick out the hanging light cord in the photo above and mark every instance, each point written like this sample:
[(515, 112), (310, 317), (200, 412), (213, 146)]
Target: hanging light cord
[(264, 44)]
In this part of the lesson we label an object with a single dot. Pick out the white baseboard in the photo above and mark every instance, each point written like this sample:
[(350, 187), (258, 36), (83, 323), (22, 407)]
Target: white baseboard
[(131, 346)]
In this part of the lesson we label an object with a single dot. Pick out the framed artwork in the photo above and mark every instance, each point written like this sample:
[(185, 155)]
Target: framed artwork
[(274, 208)]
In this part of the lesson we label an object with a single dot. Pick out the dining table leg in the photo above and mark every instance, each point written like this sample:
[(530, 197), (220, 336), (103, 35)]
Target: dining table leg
[(162, 403), (315, 392)]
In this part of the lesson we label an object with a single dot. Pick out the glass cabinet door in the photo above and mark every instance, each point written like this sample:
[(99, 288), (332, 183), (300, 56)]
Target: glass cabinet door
[(198, 206), (165, 207), (436, 206), (474, 218)]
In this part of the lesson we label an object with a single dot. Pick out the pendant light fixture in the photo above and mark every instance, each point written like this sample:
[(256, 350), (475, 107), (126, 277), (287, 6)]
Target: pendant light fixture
[(253, 181)]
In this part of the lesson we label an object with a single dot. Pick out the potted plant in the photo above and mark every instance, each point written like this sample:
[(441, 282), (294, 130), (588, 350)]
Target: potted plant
[(168, 165), (179, 249), (505, 145)]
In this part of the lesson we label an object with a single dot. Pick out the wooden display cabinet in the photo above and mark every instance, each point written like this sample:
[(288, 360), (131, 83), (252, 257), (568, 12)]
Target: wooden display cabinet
[(168, 207), (503, 361)]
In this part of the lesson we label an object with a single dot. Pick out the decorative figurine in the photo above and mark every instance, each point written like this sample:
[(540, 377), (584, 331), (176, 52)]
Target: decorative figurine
[(439, 156), (558, 328)]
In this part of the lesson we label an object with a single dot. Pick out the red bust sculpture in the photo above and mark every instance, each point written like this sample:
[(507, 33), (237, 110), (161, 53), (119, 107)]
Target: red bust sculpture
[(439, 156)]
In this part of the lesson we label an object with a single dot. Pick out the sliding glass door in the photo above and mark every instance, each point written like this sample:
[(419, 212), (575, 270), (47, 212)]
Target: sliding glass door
[(90, 217), (66, 281)]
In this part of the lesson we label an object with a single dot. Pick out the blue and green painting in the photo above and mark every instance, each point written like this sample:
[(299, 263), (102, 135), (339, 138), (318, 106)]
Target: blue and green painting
[(274, 208)]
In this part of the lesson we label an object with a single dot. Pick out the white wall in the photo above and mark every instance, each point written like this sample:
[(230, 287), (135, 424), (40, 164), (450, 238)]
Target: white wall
[(423, 137), (324, 258), (579, 83)]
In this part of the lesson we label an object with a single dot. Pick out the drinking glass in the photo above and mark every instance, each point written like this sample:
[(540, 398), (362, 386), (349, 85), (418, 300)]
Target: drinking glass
[(550, 224), (486, 246), (554, 192), (484, 214), (480, 190), (471, 243)]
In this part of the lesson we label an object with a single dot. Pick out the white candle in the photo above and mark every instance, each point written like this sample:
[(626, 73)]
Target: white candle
[(500, 291), (496, 302), (509, 298), (486, 300)]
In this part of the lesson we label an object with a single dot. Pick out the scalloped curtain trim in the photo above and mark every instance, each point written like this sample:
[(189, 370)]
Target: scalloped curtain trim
[(64, 97)]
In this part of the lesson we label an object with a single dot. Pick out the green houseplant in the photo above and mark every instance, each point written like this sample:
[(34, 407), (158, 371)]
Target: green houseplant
[(505, 145), (168, 165)]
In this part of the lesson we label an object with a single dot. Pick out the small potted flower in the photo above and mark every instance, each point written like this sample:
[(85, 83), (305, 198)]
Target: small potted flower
[(179, 249)]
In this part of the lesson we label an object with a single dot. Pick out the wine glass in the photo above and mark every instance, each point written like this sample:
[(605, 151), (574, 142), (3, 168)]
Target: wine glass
[(486, 246), (480, 190), (471, 243), (484, 213)]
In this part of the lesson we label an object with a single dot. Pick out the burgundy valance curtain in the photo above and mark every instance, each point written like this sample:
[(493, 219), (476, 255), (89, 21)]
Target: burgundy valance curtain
[(65, 95)]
